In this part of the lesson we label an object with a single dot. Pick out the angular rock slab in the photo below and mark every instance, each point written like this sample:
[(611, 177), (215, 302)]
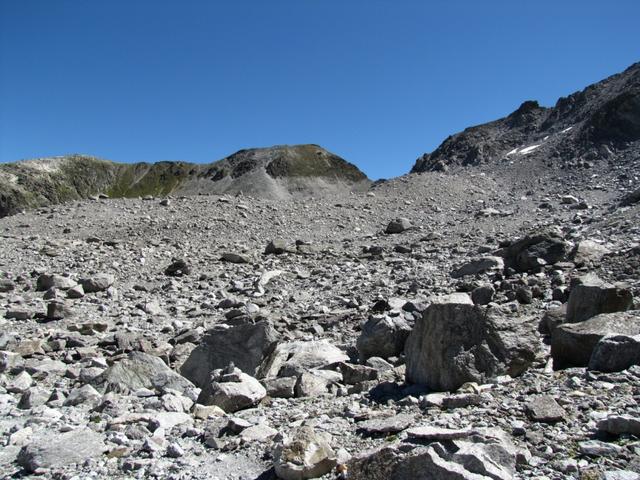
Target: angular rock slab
[(456, 342), (305, 454), (55, 451), (245, 345), (479, 265), (141, 370), (592, 296), (481, 454), (615, 353), (292, 359), (534, 251), (572, 344), (232, 390), (382, 336)]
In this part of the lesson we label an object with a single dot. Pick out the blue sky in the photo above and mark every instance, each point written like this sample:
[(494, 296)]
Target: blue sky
[(378, 82)]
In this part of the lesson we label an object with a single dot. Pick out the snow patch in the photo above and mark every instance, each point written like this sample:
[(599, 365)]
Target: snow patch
[(513, 152), (566, 130), (528, 150)]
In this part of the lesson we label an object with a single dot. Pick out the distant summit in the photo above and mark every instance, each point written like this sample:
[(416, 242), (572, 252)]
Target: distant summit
[(278, 172), (602, 122)]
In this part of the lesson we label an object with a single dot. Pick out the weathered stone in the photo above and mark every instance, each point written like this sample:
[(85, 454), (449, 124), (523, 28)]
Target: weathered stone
[(292, 359), (178, 268), (45, 282), (281, 387), (316, 382), (544, 408), (478, 266), (275, 247), (620, 425), (588, 253), (457, 342), (382, 336), (591, 297), (232, 390), (61, 450), (305, 454), (615, 353), (533, 252), (141, 370), (483, 294), (398, 225), (572, 344), (97, 283), (477, 454), (393, 424), (235, 258), (246, 345)]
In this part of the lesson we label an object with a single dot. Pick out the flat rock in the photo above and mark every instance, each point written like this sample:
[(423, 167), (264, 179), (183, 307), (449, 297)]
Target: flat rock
[(61, 450), (545, 409)]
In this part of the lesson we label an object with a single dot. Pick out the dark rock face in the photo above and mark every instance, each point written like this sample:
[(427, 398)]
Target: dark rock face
[(573, 344), (534, 251), (606, 113), (457, 342), (591, 296), (244, 345)]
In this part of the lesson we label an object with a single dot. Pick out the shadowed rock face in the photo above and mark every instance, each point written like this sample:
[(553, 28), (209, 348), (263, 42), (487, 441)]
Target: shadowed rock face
[(276, 172), (605, 114)]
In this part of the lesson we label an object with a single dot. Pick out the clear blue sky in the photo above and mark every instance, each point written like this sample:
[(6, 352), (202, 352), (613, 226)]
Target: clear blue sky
[(378, 82)]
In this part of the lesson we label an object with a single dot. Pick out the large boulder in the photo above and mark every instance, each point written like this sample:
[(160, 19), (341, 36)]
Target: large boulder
[(591, 296), (304, 454), (588, 253), (457, 342), (141, 370), (572, 344), (382, 336), (245, 345), (232, 390), (292, 359), (97, 283), (615, 353), (61, 450), (533, 252), (478, 266), (441, 454)]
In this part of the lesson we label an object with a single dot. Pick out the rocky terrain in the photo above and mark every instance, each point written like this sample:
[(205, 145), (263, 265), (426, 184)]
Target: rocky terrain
[(478, 323), (278, 172)]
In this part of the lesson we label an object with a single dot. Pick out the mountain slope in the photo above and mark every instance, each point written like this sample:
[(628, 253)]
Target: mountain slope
[(277, 172), (600, 122)]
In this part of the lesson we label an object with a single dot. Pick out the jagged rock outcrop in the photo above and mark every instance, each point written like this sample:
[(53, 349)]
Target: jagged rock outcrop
[(598, 122)]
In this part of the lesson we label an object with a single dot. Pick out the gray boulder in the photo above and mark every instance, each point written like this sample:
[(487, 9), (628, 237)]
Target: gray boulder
[(588, 253), (615, 353), (398, 225), (382, 336), (478, 266), (245, 345), (591, 296), (457, 342), (141, 370), (304, 454), (45, 282), (232, 390), (97, 283), (441, 454), (61, 450), (531, 253), (572, 344), (292, 359), (620, 425)]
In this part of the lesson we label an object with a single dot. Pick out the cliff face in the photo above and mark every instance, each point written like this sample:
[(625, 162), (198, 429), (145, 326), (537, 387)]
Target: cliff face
[(275, 172), (598, 122)]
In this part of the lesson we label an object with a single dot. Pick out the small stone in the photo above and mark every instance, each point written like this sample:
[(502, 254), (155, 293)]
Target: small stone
[(545, 409)]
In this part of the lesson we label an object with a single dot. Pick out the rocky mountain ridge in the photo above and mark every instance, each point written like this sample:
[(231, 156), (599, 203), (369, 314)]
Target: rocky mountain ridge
[(277, 172), (599, 123)]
